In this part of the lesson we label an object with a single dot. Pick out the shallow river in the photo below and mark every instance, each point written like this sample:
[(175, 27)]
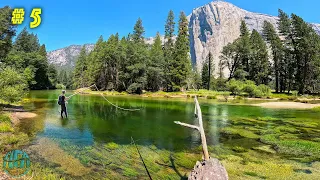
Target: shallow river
[(252, 142)]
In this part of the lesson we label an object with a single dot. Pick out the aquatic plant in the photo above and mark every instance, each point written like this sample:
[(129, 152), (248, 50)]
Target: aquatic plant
[(6, 127), (239, 131)]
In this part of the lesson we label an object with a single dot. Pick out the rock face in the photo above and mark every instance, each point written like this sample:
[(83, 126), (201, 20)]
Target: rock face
[(216, 24), (65, 58), (208, 170)]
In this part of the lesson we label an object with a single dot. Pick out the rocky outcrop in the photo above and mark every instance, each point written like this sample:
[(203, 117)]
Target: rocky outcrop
[(216, 24), (65, 58), (207, 170)]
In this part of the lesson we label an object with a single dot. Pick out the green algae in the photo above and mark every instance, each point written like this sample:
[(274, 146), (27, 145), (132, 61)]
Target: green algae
[(239, 131), (239, 149), (112, 146), (265, 149)]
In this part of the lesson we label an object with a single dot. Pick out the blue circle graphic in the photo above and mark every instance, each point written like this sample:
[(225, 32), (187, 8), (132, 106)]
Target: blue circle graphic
[(16, 163)]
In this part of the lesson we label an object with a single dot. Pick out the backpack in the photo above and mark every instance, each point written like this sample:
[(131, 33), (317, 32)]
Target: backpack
[(60, 100)]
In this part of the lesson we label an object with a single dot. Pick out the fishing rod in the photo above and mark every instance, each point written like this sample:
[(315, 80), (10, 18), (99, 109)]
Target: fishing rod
[(141, 158), (94, 85)]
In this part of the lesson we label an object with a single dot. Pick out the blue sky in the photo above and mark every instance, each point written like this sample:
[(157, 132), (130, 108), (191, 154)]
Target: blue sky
[(67, 22)]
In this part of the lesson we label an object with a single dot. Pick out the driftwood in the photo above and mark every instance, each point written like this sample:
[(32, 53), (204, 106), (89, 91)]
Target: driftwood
[(198, 115), (209, 168)]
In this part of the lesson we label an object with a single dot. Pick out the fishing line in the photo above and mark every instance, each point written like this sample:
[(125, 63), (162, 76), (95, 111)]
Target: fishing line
[(118, 107)]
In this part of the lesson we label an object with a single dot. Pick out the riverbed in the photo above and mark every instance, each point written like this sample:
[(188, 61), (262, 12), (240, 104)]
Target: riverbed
[(95, 141)]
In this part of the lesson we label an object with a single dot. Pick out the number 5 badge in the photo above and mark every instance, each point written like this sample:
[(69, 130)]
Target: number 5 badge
[(35, 14)]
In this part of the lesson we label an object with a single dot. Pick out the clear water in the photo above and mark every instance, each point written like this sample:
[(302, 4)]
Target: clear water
[(93, 121)]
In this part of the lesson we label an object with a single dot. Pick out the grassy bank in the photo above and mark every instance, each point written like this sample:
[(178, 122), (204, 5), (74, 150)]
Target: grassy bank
[(223, 96)]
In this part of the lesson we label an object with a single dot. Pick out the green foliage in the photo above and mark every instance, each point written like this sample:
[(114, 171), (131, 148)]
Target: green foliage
[(79, 77), (259, 61), (7, 31), (237, 87), (168, 50), (12, 85), (26, 42), (207, 70), (5, 127), (4, 118), (155, 67), (181, 65), (60, 86)]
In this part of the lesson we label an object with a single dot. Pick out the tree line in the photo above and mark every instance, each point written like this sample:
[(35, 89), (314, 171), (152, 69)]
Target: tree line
[(129, 64), (23, 62), (295, 54)]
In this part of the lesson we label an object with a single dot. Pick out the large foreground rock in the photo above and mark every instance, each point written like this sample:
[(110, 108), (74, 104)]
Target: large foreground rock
[(209, 170)]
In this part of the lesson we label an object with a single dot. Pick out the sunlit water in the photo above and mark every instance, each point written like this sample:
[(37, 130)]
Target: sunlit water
[(92, 120)]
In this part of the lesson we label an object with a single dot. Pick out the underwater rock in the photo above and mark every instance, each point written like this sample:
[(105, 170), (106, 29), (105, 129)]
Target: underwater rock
[(211, 169)]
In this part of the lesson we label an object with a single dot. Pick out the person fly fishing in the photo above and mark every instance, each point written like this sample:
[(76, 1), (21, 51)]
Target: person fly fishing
[(62, 101)]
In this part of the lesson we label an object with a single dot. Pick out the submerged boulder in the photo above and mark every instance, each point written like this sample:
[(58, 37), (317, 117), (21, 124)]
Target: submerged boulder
[(208, 170)]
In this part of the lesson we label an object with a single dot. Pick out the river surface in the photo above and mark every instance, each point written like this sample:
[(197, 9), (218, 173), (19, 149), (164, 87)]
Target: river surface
[(238, 135)]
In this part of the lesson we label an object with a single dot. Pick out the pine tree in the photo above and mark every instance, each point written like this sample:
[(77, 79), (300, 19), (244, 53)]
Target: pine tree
[(123, 76), (181, 66), (207, 71), (52, 75), (259, 62), (43, 51), (303, 40), (79, 77), (277, 48), (244, 47), (26, 42), (155, 75), (205, 75), (287, 67), (7, 31), (137, 54), (95, 63), (138, 32), (168, 49)]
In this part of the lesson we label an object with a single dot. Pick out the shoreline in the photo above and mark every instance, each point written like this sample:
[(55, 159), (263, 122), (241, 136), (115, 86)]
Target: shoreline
[(225, 97), (287, 105)]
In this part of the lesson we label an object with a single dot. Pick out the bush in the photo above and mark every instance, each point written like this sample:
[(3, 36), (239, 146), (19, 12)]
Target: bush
[(13, 85), (252, 89), (60, 86), (235, 87), (266, 90)]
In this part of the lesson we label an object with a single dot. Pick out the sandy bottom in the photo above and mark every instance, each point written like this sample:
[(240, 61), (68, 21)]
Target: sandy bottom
[(287, 105)]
